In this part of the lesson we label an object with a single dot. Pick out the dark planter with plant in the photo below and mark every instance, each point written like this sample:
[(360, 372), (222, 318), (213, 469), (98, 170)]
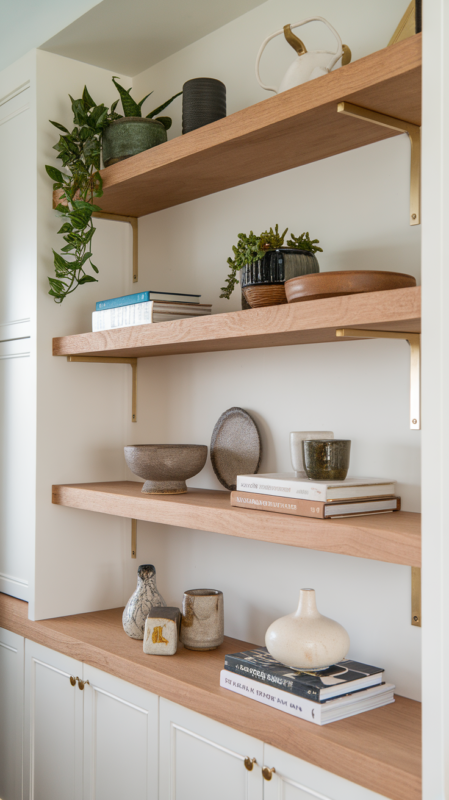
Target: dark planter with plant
[(264, 264), (126, 136)]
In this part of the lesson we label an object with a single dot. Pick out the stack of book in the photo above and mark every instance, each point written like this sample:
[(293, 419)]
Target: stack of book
[(142, 308), (287, 494), (340, 691)]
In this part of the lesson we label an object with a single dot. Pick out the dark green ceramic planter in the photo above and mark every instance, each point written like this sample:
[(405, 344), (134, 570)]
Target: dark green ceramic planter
[(131, 135), (326, 460)]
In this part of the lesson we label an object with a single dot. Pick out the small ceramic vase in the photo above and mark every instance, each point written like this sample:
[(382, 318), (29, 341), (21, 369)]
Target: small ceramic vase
[(202, 623), (306, 640), (296, 440), (141, 602)]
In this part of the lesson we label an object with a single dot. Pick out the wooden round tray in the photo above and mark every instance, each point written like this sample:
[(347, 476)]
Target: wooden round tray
[(335, 284)]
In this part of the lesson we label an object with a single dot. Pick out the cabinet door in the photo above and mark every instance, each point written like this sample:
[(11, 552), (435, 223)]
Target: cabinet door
[(295, 779), (53, 752), (121, 730), (11, 714), (200, 759)]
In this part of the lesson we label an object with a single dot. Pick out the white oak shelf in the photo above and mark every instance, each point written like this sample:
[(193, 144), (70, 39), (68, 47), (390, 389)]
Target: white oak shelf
[(395, 538)]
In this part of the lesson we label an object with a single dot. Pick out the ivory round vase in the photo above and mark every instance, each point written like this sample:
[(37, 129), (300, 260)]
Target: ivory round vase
[(306, 640), (141, 602)]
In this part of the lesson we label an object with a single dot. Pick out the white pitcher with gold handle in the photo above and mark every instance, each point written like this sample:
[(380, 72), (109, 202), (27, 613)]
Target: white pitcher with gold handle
[(309, 64)]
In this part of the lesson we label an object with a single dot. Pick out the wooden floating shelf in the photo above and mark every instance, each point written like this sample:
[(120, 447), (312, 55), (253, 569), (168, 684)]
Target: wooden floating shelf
[(309, 322), (285, 131), (395, 538), (380, 749)]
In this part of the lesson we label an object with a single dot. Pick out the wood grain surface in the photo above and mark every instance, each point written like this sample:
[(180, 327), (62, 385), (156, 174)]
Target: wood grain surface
[(297, 323), (380, 749), (338, 283), (285, 131), (395, 537)]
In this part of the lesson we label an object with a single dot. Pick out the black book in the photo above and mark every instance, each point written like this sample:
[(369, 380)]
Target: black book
[(343, 678)]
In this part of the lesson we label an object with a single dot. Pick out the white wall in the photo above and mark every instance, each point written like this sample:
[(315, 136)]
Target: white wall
[(81, 408), (357, 205)]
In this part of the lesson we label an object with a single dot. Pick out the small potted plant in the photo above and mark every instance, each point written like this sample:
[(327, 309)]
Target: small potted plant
[(131, 134), (264, 264)]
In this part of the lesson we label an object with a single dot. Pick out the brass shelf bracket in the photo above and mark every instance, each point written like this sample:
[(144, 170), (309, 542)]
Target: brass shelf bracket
[(111, 360), (414, 340), (133, 221), (414, 133), (416, 596), (133, 538)]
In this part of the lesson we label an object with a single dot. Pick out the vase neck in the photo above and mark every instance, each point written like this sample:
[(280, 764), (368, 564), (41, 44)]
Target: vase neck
[(307, 604)]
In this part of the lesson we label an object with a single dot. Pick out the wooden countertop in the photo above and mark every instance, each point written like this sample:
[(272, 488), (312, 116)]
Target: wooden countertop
[(380, 749)]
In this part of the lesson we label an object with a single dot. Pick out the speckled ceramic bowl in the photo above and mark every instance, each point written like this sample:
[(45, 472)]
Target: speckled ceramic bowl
[(165, 467)]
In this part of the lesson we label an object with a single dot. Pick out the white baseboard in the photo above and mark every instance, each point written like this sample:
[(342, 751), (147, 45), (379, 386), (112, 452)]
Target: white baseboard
[(16, 587)]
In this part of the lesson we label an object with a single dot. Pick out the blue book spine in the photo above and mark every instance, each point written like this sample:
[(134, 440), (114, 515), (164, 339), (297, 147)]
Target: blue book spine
[(127, 300)]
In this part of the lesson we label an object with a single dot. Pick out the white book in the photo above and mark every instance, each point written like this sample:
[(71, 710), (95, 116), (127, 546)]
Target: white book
[(286, 484), (320, 713), (140, 314)]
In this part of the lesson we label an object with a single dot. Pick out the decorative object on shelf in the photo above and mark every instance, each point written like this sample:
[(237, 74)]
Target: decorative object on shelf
[(336, 284), (79, 151), (202, 623), (314, 508), (286, 484), (306, 640), (410, 23), (203, 102), (235, 446), (165, 467), (131, 134), (141, 602), (265, 264), (296, 439), (162, 631), (308, 65), (326, 460)]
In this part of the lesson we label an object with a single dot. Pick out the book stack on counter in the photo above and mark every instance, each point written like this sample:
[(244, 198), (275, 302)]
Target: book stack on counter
[(143, 308), (285, 493), (340, 691)]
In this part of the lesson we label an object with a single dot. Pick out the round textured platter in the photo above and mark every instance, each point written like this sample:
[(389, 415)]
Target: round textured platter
[(235, 447), (335, 284)]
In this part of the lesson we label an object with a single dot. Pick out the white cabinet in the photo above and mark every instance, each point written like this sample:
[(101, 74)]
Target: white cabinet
[(53, 753), (120, 739), (201, 759), (295, 779), (11, 714)]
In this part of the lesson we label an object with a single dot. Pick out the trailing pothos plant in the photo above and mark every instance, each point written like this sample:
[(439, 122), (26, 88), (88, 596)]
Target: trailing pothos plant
[(79, 150), (251, 248), (80, 153)]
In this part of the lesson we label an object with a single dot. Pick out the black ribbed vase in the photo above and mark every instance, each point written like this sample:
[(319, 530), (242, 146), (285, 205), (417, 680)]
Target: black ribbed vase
[(203, 101)]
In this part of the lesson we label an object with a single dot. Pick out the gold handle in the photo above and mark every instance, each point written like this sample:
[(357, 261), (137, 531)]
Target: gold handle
[(73, 680), (81, 684), (267, 773), (249, 763)]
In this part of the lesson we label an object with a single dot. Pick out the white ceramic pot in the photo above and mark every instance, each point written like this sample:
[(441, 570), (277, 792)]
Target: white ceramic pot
[(306, 640)]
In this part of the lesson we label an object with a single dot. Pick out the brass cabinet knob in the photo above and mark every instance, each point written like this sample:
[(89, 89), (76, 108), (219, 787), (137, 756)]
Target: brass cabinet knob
[(73, 680), (249, 763), (81, 684), (267, 773)]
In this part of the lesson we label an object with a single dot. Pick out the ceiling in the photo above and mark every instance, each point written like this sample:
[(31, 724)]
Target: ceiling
[(128, 37)]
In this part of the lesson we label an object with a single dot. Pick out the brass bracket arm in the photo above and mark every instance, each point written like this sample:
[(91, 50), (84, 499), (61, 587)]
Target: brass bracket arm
[(414, 133), (416, 596), (111, 360), (133, 538), (133, 221), (414, 340)]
